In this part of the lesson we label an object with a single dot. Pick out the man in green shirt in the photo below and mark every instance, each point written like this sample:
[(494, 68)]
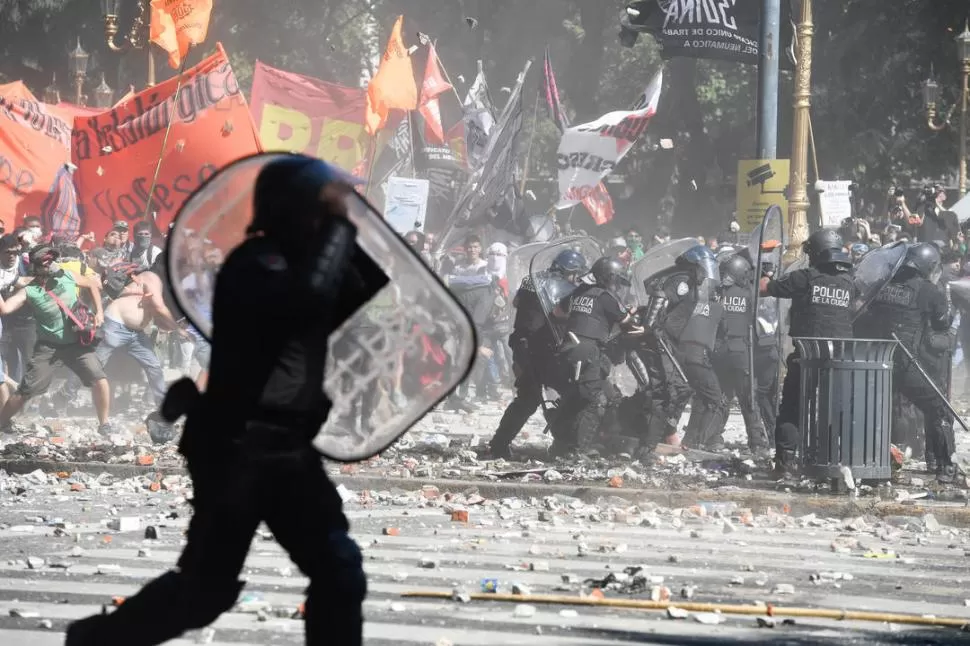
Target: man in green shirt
[(57, 340)]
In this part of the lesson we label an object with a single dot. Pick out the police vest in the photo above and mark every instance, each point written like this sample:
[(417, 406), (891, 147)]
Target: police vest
[(586, 316), (824, 310), (737, 302), (896, 309)]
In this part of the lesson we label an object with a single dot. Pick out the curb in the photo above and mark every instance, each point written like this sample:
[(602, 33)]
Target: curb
[(954, 514)]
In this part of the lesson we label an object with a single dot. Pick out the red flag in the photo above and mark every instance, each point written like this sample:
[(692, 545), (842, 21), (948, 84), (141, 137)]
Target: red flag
[(393, 87), (434, 85), (599, 204)]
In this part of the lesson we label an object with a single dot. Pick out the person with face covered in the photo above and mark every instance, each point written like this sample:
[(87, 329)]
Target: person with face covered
[(733, 347), (591, 313), (143, 253), (913, 307), (248, 437), (50, 292)]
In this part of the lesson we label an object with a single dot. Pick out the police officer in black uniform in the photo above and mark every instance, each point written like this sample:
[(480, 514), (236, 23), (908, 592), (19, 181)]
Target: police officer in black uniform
[(913, 306), (821, 297), (693, 314), (592, 312), (732, 352), (247, 439), (533, 351)]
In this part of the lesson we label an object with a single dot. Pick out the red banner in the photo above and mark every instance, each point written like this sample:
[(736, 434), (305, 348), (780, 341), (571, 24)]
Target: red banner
[(34, 145), (300, 114), (116, 152)]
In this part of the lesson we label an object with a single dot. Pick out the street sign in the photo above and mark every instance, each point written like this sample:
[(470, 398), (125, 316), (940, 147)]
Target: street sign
[(761, 183)]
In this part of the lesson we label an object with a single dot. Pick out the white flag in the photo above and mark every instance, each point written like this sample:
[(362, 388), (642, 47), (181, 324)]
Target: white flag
[(479, 119), (589, 152)]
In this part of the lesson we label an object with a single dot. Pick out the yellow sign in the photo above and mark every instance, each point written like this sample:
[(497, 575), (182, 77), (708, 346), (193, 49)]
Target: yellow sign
[(761, 183)]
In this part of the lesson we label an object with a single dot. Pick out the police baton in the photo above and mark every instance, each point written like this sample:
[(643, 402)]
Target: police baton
[(931, 383)]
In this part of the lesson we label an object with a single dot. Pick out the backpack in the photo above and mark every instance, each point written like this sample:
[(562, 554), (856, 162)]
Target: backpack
[(117, 277)]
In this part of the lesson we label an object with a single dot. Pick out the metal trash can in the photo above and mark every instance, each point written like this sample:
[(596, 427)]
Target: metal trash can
[(845, 407)]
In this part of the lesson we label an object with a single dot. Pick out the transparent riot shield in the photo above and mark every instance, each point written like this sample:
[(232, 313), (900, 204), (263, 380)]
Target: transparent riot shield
[(520, 259), (395, 358), (551, 288), (654, 261), (874, 271), (765, 248)]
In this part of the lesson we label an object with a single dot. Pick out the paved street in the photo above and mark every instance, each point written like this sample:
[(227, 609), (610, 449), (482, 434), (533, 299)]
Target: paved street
[(550, 546)]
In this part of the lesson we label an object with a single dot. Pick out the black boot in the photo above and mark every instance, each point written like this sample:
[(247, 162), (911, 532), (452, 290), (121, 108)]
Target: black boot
[(946, 474), (499, 451), (785, 465)]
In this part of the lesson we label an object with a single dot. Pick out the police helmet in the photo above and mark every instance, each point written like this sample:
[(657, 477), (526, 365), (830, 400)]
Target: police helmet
[(569, 262), (820, 242), (288, 189), (702, 259), (735, 270), (925, 259), (609, 272)]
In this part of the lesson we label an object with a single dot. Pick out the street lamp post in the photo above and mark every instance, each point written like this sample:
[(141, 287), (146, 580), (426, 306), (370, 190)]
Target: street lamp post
[(52, 96), (137, 37), (79, 68), (931, 95), (104, 96), (801, 102)]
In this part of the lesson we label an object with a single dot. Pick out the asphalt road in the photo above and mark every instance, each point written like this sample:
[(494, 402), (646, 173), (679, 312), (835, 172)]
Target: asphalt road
[(550, 546)]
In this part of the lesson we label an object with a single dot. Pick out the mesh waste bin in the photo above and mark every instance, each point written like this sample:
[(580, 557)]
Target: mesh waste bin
[(845, 407)]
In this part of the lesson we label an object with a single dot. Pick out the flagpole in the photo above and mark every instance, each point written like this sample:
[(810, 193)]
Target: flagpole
[(168, 131), (372, 162), (532, 137), (414, 172), (441, 66)]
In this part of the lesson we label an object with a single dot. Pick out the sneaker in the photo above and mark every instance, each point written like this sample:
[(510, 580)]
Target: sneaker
[(458, 405), (7, 429), (106, 429)]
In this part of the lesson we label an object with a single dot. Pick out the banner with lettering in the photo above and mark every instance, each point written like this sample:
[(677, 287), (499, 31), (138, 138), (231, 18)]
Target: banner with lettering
[(296, 113), (116, 152), (35, 143), (589, 152)]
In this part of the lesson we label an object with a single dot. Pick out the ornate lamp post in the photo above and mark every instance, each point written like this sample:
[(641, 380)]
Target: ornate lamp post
[(52, 96), (137, 37), (79, 68), (104, 96), (931, 95), (801, 100)]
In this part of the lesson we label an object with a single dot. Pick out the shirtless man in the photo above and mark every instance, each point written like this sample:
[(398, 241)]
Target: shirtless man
[(126, 321)]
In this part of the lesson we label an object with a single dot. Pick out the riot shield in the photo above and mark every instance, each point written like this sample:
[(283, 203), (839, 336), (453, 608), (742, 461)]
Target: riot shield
[(874, 272), (404, 330), (765, 247), (551, 288), (520, 259), (657, 260)]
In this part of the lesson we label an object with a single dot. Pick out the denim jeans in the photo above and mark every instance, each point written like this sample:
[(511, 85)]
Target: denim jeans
[(140, 347)]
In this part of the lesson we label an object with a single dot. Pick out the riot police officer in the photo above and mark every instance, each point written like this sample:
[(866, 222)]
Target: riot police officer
[(591, 312), (248, 438), (733, 348), (533, 350), (821, 295), (913, 306), (693, 314)]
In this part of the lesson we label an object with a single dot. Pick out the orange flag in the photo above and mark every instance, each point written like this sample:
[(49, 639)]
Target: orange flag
[(393, 87), (434, 84), (177, 25)]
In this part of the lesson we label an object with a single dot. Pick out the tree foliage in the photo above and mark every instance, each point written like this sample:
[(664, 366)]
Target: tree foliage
[(871, 57)]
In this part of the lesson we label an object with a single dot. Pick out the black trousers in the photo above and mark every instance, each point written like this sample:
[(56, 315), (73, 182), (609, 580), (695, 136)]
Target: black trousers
[(787, 435), (732, 368), (529, 367), (937, 423), (293, 495), (590, 399), (709, 410), (653, 415)]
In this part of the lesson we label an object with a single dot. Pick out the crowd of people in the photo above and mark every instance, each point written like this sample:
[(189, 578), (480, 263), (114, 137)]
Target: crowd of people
[(75, 303)]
